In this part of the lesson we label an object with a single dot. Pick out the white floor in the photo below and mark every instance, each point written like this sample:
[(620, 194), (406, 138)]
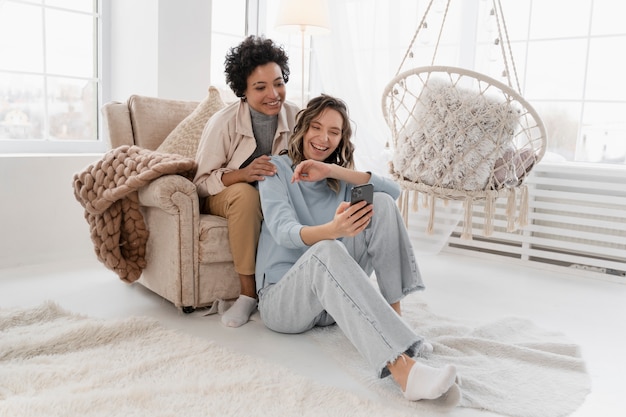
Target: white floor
[(591, 312)]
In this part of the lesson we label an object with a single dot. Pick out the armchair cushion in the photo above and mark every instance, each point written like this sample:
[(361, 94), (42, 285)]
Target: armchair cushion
[(152, 119), (184, 139)]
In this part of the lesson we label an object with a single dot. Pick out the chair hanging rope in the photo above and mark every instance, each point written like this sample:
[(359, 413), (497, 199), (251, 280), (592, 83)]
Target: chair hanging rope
[(461, 135)]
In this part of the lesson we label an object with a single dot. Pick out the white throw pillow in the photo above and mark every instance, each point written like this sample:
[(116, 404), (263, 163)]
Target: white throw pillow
[(185, 137), (454, 138)]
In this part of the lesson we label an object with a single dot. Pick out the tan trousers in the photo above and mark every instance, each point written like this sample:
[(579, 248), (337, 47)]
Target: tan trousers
[(240, 205)]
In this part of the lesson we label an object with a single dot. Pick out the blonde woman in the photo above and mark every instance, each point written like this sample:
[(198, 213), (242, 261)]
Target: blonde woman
[(316, 253)]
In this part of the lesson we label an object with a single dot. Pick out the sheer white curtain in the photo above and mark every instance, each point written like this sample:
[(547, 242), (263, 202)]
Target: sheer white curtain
[(356, 61)]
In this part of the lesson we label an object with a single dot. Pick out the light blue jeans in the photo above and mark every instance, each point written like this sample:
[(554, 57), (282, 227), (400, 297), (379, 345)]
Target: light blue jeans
[(330, 284)]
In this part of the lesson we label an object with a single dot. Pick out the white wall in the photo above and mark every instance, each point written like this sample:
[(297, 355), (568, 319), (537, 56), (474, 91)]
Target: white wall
[(184, 49), (157, 48), (40, 220), (132, 44)]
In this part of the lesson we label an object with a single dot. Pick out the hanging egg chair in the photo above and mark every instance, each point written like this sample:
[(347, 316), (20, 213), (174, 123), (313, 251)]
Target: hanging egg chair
[(461, 135)]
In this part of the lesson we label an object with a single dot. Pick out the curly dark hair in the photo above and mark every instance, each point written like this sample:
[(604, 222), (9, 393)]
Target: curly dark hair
[(253, 51)]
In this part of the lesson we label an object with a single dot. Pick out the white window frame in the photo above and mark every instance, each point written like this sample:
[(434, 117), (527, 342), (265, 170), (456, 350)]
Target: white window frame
[(97, 145)]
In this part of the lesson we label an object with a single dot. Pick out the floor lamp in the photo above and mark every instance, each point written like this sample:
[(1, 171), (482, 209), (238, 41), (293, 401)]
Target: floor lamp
[(305, 16)]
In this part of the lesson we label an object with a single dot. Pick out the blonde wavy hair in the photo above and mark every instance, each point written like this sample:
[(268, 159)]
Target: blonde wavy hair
[(343, 155)]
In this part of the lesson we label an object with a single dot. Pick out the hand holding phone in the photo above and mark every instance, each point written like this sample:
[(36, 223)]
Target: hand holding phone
[(360, 193)]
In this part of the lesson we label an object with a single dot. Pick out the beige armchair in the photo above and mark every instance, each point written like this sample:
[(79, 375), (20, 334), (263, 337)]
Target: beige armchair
[(188, 259)]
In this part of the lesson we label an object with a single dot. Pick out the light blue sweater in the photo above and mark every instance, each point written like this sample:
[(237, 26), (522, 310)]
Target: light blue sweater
[(287, 207)]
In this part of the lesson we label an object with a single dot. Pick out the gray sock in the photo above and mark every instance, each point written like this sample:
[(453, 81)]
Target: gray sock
[(239, 313)]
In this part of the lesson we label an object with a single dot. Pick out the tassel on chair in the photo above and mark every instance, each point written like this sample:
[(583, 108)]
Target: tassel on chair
[(489, 214), (510, 210), (431, 216), (467, 222), (416, 196), (523, 207), (402, 203)]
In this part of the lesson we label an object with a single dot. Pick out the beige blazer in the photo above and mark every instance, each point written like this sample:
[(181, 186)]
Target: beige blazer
[(228, 141)]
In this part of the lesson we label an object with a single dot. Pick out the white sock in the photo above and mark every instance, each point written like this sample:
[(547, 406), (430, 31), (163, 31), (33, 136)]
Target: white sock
[(427, 383), (239, 313)]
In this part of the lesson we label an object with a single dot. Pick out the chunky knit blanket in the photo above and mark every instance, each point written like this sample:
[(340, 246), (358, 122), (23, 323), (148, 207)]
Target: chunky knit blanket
[(108, 189)]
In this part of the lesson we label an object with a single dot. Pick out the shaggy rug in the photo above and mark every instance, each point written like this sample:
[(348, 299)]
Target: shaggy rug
[(56, 363), (509, 366)]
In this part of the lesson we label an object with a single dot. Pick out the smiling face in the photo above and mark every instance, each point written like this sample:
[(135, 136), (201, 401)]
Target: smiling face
[(266, 90), (323, 135)]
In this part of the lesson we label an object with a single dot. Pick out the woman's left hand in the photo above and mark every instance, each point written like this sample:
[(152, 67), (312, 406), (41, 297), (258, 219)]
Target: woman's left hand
[(311, 170)]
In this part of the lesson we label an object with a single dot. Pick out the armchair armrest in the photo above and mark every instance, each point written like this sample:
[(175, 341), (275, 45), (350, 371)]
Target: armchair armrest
[(171, 210), (169, 193)]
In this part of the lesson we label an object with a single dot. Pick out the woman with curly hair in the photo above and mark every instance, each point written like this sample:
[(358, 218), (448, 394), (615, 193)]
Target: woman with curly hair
[(233, 154), (316, 254)]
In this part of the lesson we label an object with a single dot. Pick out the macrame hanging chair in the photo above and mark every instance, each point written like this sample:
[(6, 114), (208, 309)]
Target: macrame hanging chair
[(461, 135)]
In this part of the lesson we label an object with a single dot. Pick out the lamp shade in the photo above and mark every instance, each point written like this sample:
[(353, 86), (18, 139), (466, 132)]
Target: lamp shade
[(304, 15)]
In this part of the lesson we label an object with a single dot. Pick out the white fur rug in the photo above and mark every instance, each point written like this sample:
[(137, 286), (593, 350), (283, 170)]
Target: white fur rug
[(509, 366), (55, 363)]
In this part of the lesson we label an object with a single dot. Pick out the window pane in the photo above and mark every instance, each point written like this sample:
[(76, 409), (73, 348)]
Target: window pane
[(48, 75), (608, 17), (82, 5), (489, 61), (556, 69), (561, 122), (71, 105), (606, 69), (559, 18), (21, 106), (452, 24), (603, 135), (229, 17), (220, 44), (21, 39), (228, 28), (68, 53), (516, 14)]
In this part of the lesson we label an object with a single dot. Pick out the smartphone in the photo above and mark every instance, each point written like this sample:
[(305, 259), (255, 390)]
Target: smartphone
[(362, 192)]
